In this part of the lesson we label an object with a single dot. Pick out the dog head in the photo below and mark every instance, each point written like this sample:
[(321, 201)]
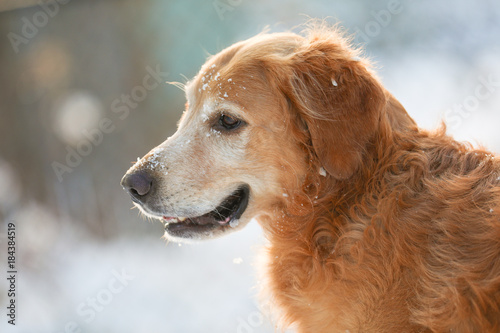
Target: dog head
[(260, 116)]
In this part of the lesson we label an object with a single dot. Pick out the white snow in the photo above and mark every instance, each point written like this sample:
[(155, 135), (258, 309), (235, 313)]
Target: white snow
[(237, 261), (216, 132), (234, 223), (153, 160), (179, 282)]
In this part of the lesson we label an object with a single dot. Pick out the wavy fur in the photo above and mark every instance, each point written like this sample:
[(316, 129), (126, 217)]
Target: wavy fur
[(403, 233)]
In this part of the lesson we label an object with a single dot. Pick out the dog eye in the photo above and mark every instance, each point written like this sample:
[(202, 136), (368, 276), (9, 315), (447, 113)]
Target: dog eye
[(229, 122)]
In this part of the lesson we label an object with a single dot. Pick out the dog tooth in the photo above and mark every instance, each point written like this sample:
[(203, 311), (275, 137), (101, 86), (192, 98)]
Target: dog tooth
[(182, 219)]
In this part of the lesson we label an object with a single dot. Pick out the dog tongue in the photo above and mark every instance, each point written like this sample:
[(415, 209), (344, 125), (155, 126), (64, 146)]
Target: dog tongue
[(225, 221)]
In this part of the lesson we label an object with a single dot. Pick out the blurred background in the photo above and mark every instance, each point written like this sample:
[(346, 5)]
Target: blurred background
[(83, 94)]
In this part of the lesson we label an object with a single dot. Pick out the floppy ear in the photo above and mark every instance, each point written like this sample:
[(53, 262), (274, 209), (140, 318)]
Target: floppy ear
[(340, 102)]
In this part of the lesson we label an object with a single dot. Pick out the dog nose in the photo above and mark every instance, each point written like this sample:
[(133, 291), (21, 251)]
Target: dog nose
[(137, 184)]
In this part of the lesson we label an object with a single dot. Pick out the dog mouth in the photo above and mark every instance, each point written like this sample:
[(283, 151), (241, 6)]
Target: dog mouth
[(226, 215)]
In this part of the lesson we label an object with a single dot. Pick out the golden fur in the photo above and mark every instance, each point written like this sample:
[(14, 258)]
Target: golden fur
[(374, 224), (404, 236)]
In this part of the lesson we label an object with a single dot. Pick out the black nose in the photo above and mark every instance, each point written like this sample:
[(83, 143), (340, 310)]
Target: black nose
[(138, 184)]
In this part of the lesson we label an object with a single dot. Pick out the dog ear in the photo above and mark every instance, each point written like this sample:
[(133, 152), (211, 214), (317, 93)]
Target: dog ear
[(340, 103)]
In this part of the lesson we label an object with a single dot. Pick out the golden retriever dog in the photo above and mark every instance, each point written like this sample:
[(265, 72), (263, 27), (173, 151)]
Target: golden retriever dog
[(374, 224)]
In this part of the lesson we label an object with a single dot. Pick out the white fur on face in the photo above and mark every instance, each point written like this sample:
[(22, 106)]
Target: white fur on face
[(202, 164), (197, 167), (191, 165)]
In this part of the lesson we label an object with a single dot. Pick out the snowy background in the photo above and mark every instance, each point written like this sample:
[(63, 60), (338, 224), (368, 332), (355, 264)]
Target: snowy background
[(76, 233)]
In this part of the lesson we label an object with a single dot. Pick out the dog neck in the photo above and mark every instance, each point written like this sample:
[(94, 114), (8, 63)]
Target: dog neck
[(313, 218)]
